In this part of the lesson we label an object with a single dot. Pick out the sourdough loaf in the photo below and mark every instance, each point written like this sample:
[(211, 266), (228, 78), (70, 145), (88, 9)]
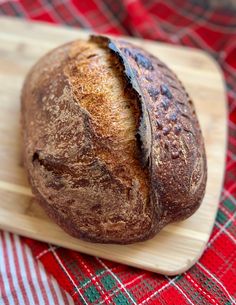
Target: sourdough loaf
[(112, 144)]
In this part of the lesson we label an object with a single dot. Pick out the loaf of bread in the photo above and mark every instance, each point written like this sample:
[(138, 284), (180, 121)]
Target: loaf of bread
[(112, 144)]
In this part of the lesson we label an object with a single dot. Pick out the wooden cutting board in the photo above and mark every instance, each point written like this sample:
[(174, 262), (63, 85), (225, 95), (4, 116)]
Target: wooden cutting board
[(178, 246)]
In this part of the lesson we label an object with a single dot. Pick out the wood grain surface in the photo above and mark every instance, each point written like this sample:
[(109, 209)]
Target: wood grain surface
[(178, 246)]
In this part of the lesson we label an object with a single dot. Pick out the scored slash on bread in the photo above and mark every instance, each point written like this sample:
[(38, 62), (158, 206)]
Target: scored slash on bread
[(112, 144)]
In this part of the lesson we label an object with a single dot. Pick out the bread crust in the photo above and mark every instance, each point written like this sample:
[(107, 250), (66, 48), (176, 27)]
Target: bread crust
[(112, 144)]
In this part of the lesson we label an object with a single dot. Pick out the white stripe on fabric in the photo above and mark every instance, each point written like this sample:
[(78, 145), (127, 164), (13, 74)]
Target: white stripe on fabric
[(22, 269), (29, 274), (63, 297), (49, 294), (34, 276), (40, 281), (55, 295), (69, 298), (46, 251), (60, 299), (13, 271), (5, 275)]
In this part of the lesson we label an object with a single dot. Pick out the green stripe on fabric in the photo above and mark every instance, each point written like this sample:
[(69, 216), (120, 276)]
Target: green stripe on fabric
[(147, 285), (229, 205), (120, 299), (92, 294), (229, 224), (99, 271), (221, 217), (108, 282), (85, 282)]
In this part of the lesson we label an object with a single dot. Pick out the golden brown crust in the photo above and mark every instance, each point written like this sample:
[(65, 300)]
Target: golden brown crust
[(113, 148)]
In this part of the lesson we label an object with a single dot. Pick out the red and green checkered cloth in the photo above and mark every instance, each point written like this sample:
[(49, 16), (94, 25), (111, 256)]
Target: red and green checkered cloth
[(200, 24)]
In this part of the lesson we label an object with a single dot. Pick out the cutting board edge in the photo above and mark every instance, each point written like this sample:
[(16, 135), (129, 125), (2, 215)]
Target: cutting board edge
[(27, 220)]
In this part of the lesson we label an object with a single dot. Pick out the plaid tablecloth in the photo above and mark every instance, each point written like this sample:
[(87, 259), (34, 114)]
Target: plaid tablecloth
[(207, 25)]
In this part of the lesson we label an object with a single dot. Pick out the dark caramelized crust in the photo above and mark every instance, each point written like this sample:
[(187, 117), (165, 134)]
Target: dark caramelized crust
[(113, 148)]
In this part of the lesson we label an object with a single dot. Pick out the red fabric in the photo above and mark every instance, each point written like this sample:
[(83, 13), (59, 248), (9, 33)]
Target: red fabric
[(212, 280)]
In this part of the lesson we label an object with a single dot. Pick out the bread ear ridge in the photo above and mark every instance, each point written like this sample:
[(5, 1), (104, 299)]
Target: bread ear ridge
[(144, 131)]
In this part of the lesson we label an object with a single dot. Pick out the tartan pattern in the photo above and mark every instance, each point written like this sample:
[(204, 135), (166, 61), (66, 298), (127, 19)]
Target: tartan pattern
[(212, 280)]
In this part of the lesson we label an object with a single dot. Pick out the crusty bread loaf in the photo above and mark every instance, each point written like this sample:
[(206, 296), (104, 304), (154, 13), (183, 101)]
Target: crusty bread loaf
[(112, 144)]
